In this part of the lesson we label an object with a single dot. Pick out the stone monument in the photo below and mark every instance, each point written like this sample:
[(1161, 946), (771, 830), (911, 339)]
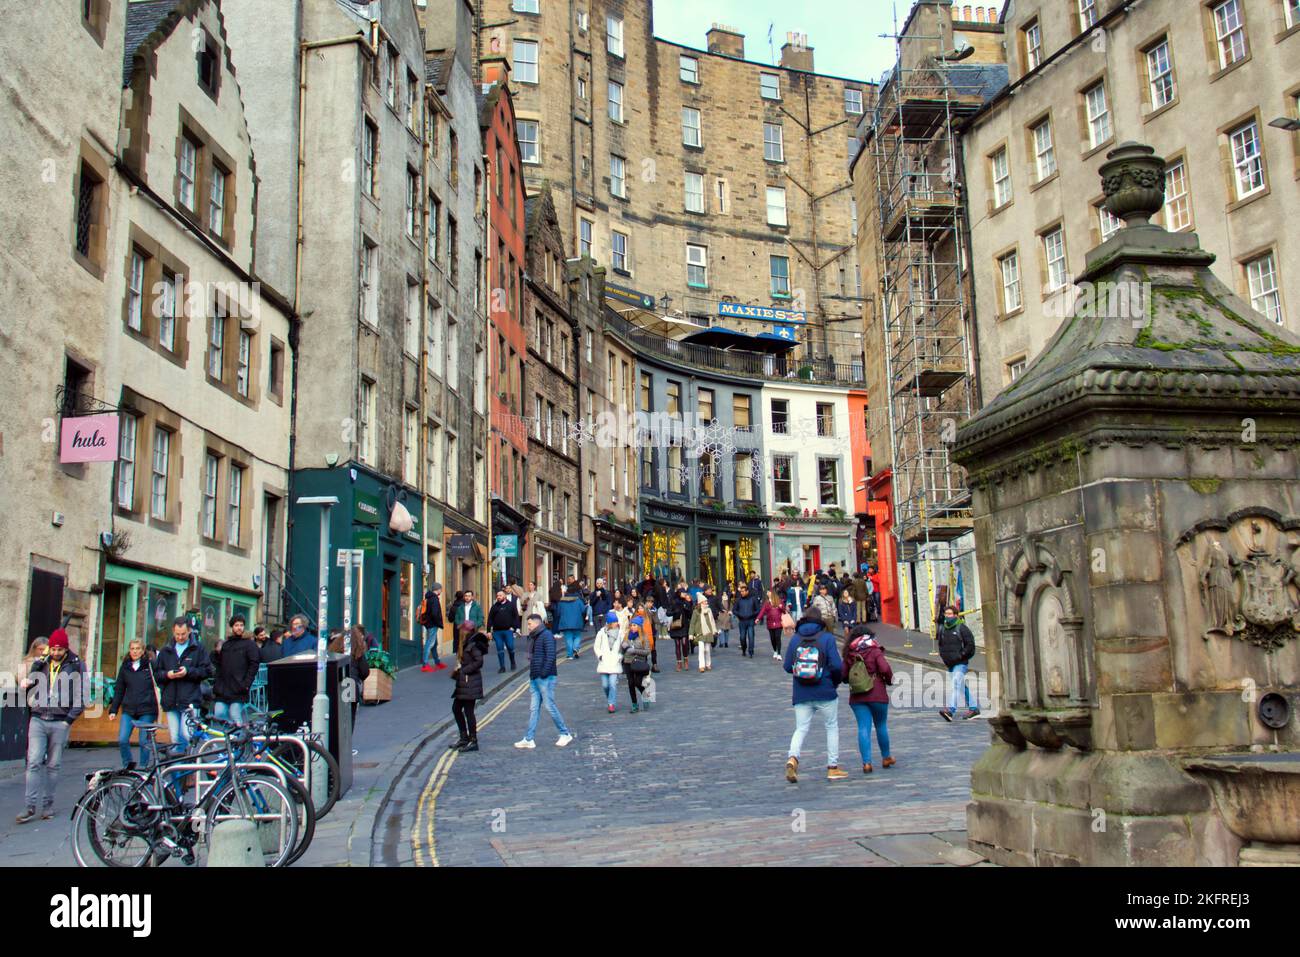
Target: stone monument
[(1137, 521)]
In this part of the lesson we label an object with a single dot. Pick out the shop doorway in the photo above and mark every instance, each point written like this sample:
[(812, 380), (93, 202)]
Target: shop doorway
[(113, 627), (44, 604), (385, 610), (812, 559)]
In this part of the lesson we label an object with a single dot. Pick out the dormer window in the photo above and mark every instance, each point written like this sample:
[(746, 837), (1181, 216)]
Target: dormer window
[(208, 58)]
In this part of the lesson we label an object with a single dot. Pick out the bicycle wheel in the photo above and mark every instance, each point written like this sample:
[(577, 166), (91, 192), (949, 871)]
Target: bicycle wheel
[(111, 826), (271, 807), (291, 756), (306, 820)]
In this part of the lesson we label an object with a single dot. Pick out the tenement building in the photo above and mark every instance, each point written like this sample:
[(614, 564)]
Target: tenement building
[(718, 182), (1211, 85)]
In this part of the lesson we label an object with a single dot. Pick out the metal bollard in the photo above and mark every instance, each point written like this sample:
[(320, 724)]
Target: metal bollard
[(235, 843)]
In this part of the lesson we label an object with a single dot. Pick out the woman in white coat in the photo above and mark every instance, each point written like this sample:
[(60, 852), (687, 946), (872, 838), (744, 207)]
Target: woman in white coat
[(535, 602), (608, 649)]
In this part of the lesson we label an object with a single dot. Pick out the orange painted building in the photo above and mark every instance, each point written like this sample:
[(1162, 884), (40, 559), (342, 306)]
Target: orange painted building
[(872, 505)]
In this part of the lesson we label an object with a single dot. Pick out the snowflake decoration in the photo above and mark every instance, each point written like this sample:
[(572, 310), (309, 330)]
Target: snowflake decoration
[(582, 433), (757, 468), (804, 429), (714, 439)]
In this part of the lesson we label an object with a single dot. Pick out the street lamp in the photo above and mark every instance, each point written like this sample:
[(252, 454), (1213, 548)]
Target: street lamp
[(320, 705), (1288, 123), (665, 301)]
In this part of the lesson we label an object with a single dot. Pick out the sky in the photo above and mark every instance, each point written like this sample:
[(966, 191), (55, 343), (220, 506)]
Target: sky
[(844, 34)]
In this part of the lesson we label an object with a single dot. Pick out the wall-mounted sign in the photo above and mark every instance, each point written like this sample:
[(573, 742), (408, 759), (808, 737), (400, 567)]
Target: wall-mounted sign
[(365, 509), (629, 296), (365, 540), (89, 438), (785, 332), (739, 310), (461, 546), (507, 546)]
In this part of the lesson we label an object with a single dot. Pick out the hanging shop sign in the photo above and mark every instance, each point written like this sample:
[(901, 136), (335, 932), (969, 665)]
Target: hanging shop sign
[(89, 438), (461, 546)]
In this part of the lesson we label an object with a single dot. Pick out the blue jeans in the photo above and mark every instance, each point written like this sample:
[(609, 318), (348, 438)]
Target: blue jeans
[(430, 646), (868, 713), (128, 723), (572, 641), (176, 728), (747, 637), (45, 743), (543, 689), (610, 685), (958, 686), (505, 641), (228, 711), (724, 638), (803, 715)]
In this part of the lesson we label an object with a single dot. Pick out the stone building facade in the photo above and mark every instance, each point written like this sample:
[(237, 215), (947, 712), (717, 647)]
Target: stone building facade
[(657, 157), (1200, 82)]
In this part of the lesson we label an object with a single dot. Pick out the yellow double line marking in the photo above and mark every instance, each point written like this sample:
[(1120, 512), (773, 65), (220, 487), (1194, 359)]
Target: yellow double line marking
[(422, 835)]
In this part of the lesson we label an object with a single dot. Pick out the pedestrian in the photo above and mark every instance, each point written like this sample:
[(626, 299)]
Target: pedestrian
[(38, 649), (649, 627), (862, 595), (269, 648), (431, 621), (846, 611), (796, 597), (570, 615), (636, 659), (358, 666), (868, 674), (824, 602), (135, 698), (704, 630), (504, 622), (542, 677), (601, 602), (468, 689), (726, 621), (466, 619), (681, 610), (235, 662), (608, 649), (956, 649), (873, 577), (814, 662), (774, 616), (180, 668), (746, 612), (56, 686), (300, 639)]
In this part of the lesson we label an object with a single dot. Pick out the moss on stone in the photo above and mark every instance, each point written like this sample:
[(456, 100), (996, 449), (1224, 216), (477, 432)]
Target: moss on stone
[(1205, 486)]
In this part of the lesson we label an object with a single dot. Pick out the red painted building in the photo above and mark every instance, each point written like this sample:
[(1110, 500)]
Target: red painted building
[(507, 343), (871, 503)]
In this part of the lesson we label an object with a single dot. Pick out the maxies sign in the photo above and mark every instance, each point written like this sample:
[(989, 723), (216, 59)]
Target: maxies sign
[(89, 438)]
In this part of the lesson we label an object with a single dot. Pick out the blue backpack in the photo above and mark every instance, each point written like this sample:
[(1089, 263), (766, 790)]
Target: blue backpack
[(809, 662)]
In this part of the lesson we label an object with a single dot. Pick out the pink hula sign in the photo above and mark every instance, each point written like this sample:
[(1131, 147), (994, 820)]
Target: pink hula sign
[(89, 438)]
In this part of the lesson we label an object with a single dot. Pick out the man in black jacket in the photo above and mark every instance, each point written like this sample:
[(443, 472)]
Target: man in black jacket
[(956, 649), (431, 622), (56, 687), (181, 668), (504, 622), (237, 661), (746, 612)]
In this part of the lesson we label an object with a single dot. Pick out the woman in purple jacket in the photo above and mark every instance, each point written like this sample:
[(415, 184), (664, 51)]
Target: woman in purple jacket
[(869, 707)]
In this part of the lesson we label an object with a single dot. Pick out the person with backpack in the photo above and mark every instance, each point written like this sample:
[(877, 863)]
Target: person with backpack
[(814, 662), (135, 698), (636, 659), (956, 649), (431, 621), (608, 649), (868, 674), (504, 622), (236, 661), (773, 613), (704, 630)]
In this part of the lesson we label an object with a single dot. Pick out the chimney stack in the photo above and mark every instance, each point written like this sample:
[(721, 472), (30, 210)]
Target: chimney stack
[(725, 40), (796, 54)]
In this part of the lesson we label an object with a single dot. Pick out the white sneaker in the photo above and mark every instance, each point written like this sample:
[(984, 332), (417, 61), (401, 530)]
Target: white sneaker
[(776, 656), (563, 740), (525, 745)]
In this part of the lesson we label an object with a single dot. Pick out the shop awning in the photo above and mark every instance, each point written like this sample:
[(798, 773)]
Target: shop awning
[(723, 338)]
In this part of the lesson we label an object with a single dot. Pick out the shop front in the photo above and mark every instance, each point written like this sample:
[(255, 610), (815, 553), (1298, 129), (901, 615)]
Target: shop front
[(617, 554), (555, 558), (667, 543), (720, 549), (810, 546)]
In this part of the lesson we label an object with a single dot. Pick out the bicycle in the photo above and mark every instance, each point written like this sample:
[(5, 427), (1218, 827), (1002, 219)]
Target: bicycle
[(131, 818)]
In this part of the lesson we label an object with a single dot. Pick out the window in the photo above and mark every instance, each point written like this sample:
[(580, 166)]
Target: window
[(564, 432), (697, 266), (390, 76), (584, 237), (1292, 13), (217, 201), (369, 142), (537, 417), (211, 466), (743, 467), (162, 441), (769, 86), (368, 278), (1001, 170), (1054, 254), (588, 339), (780, 417), (614, 35), (453, 353), (412, 203), (453, 471), (435, 225), (1261, 275), (453, 160), (828, 482), (1160, 74), (673, 392), (582, 89), (617, 176), (366, 439), (1247, 160), (1033, 41), (1098, 115), (275, 372), (135, 292), (410, 444), (1009, 268), (780, 275), (782, 480), (675, 469), (1015, 369), (187, 171), (1087, 14), (776, 213), (217, 341), (740, 411), (453, 259), (618, 247), (708, 487), (1108, 223), (1044, 153), (90, 214), (528, 141), (825, 419), (173, 294), (704, 405), (616, 101), (244, 358), (233, 505), (722, 195), (1178, 202), (853, 102), (583, 20), (411, 339), (126, 463), (773, 143), (690, 69), (1230, 32), (412, 102), (646, 392), (691, 127), (694, 192)]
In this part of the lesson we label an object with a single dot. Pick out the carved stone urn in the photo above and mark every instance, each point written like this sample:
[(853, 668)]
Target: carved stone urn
[(1137, 525)]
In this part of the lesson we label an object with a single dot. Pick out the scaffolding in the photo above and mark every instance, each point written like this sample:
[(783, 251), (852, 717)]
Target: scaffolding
[(924, 275)]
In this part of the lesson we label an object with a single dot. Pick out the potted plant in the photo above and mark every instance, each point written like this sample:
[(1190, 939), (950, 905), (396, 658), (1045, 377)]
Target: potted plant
[(836, 513), (378, 686), (790, 511)]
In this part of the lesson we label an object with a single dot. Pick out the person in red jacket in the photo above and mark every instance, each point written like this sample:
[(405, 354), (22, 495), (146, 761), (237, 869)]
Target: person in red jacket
[(869, 707), (770, 615)]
